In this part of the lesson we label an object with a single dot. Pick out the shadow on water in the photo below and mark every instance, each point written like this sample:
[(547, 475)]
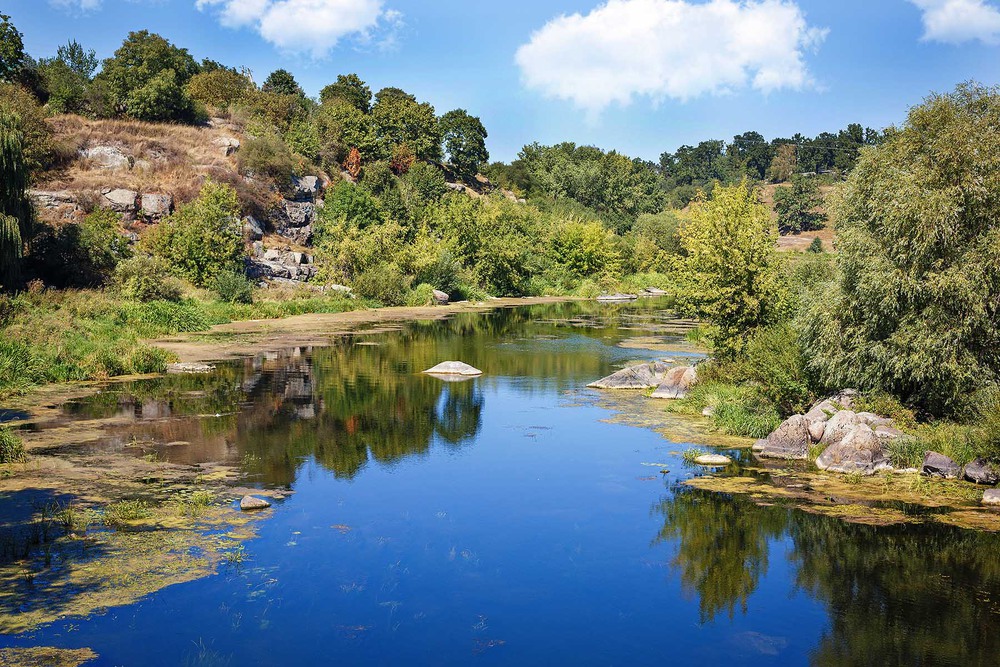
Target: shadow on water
[(903, 594)]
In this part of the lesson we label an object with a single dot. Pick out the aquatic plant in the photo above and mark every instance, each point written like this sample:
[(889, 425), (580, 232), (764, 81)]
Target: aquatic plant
[(11, 447), (121, 514)]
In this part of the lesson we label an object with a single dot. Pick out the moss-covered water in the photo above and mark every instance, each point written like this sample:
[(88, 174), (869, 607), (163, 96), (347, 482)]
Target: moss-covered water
[(517, 518)]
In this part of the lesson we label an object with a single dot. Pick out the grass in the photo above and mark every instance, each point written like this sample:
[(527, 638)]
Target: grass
[(691, 454), (11, 447), (125, 512), (739, 411), (61, 336)]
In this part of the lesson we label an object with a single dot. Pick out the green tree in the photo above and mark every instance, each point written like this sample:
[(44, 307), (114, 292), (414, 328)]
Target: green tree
[(36, 135), (282, 82), (11, 50), (399, 119), (730, 276), (16, 215), (796, 206), (465, 142), (202, 238), (67, 77), (137, 77), (784, 164), (219, 88), (915, 311), (351, 89)]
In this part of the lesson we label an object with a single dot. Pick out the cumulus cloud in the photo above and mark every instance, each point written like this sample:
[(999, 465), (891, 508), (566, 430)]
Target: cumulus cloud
[(669, 49), (80, 5), (315, 26), (957, 21)]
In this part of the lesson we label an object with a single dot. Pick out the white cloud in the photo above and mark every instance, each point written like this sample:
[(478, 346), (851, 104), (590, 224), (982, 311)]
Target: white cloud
[(315, 26), (669, 49), (957, 21), (81, 5)]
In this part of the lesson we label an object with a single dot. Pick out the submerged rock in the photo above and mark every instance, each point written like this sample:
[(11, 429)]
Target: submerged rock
[(991, 497), (713, 460), (190, 368), (453, 368), (789, 441), (643, 376), (939, 465), (860, 451), (676, 383), (251, 503), (981, 472), (618, 297)]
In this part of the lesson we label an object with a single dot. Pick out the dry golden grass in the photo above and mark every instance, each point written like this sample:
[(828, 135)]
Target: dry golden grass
[(167, 158)]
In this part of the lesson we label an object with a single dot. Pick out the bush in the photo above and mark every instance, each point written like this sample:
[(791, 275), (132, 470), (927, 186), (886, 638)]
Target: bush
[(145, 278), (202, 238), (266, 157), (816, 245), (162, 99), (422, 295), (219, 88), (383, 283), (11, 447), (16, 101), (747, 414), (775, 361), (425, 182), (233, 287)]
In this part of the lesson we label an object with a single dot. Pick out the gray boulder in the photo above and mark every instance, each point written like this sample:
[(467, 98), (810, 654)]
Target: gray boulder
[(121, 200), (939, 465), (227, 145), (860, 451), (440, 297), (52, 198), (991, 497), (838, 426), (453, 368), (789, 441), (981, 472), (643, 376), (251, 503), (816, 430), (676, 382), (157, 206), (252, 229), (299, 214), (305, 188), (107, 157)]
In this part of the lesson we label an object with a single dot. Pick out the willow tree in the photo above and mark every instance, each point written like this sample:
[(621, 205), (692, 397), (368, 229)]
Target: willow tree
[(15, 208), (916, 309)]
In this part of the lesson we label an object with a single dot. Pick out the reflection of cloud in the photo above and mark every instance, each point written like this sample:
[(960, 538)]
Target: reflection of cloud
[(669, 49), (315, 26), (957, 21)]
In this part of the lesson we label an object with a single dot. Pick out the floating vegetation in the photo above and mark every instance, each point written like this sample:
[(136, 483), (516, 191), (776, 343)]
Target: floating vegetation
[(45, 656), (126, 512)]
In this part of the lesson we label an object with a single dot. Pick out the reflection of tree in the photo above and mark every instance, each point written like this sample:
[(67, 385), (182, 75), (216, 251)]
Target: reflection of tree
[(723, 546), (900, 595), (459, 413)]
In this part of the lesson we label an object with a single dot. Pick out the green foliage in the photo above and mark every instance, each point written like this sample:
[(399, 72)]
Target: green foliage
[(11, 447), (383, 283), (351, 89), (303, 138), (147, 71), (220, 88), (425, 182), (730, 275), (125, 512), (20, 368), (145, 278), (202, 238), (273, 112), (16, 215), (774, 361), (23, 112), (80, 255), (342, 126), (232, 287), (586, 249), (282, 82), (11, 49), (816, 246), (266, 157), (349, 204), (796, 206), (161, 99), (399, 120), (67, 78), (465, 142), (914, 309), (747, 414), (652, 243), (421, 295)]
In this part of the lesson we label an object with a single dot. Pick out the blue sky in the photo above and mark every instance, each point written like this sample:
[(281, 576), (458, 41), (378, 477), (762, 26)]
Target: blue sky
[(639, 76)]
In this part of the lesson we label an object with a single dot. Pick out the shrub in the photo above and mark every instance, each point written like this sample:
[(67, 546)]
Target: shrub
[(350, 204), (11, 447), (422, 295), (233, 287), (383, 283), (775, 361), (266, 157), (202, 238), (145, 278), (747, 414), (37, 135), (162, 99), (816, 245), (144, 359), (426, 182)]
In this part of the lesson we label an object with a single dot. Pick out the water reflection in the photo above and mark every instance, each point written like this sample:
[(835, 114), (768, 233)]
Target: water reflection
[(903, 595)]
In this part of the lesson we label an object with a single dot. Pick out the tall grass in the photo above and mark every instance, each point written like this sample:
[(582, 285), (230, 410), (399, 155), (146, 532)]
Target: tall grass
[(11, 447)]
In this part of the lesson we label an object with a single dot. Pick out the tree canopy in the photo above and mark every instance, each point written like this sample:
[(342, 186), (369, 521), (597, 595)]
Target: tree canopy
[(464, 141)]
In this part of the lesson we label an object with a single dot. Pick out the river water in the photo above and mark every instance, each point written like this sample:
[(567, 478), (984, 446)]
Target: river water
[(509, 520)]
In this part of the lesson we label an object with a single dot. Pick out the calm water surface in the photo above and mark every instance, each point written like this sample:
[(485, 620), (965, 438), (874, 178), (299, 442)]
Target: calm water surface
[(504, 521)]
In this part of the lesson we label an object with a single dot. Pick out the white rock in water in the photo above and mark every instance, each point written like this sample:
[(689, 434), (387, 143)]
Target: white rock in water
[(713, 460), (453, 368), (190, 368), (250, 503)]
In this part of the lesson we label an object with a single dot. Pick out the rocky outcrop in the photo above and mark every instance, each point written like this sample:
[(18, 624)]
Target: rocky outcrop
[(121, 201), (227, 145), (280, 264), (643, 376), (860, 451), (252, 229), (190, 368), (305, 188), (107, 157), (676, 383), (156, 206), (789, 441), (981, 472), (939, 465), (838, 427)]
